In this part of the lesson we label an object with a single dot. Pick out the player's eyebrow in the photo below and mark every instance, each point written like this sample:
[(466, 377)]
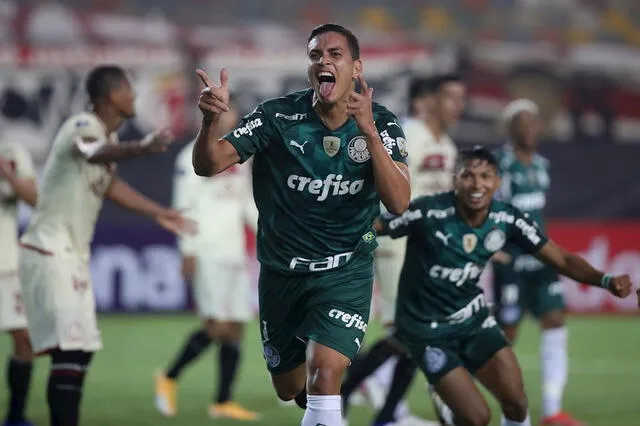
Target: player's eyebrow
[(329, 49)]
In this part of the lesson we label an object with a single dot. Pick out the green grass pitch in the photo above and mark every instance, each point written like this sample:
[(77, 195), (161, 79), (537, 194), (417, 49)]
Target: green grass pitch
[(602, 390)]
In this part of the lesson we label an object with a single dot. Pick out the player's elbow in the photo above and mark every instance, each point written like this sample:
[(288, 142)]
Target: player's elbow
[(202, 170), (398, 206)]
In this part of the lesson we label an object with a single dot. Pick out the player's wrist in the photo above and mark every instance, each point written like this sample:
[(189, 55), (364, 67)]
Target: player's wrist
[(605, 281)]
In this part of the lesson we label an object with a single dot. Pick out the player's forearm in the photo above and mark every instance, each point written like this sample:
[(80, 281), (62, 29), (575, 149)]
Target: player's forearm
[(578, 269), (209, 157), (25, 189), (392, 183), (112, 153), (128, 198)]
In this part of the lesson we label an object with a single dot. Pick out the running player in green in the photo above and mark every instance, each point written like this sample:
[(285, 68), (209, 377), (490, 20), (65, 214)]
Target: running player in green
[(442, 316), (521, 282), (323, 160)]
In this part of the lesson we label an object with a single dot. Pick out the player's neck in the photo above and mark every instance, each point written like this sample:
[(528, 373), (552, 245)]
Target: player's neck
[(332, 115), (473, 218), (524, 156), (435, 127), (111, 120)]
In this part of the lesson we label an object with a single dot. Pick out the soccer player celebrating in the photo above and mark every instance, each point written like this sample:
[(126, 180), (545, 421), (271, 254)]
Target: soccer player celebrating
[(442, 315), (55, 249), (215, 261), (521, 282), (17, 182), (435, 105), (324, 159)]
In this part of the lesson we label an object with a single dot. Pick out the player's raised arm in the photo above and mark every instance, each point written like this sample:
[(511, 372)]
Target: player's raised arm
[(578, 269), (99, 151), (124, 196), (21, 180), (526, 234), (212, 155), (391, 177)]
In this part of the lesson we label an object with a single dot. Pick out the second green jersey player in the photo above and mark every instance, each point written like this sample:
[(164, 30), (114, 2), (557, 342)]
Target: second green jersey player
[(323, 159), (441, 314)]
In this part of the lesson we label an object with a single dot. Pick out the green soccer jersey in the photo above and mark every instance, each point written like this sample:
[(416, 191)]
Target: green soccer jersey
[(525, 187), (438, 293), (314, 188)]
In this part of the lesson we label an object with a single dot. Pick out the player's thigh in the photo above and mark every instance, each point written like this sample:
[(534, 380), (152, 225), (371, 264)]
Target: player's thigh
[(458, 391), (12, 310), (338, 311), (283, 307), (544, 294), (502, 376), (507, 295), (58, 294), (480, 346), (389, 257)]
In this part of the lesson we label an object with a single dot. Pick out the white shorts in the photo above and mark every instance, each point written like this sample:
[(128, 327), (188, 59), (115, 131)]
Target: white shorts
[(12, 312), (389, 257), (222, 290), (58, 296)]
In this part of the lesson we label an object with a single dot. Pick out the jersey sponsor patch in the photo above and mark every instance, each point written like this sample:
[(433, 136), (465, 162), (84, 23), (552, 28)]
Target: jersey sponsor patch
[(248, 128), (388, 141), (495, 240), (294, 117), (402, 146), (435, 359), (331, 145), (333, 185), (271, 355), (358, 150), (469, 242)]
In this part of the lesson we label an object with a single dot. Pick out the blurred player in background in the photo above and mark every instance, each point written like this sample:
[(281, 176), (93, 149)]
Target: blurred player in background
[(214, 260), (17, 183), (442, 315), (324, 159), (435, 105), (55, 249), (521, 282)]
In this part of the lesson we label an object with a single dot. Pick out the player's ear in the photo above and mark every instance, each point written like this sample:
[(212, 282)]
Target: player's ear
[(357, 68)]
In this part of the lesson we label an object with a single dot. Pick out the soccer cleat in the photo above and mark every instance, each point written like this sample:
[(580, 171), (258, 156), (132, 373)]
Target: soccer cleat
[(561, 419), (232, 410), (166, 390)]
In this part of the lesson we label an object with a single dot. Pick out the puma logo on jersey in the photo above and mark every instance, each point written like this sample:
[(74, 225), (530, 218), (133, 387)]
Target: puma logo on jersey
[(392, 123), (444, 238), (297, 145), (331, 185), (458, 276)]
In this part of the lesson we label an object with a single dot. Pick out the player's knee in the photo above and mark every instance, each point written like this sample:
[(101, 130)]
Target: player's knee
[(22, 345), (515, 407), (553, 319), (479, 416)]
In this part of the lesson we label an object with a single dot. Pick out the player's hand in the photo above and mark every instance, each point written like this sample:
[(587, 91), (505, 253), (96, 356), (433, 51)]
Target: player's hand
[(188, 267), (174, 222), (157, 141), (501, 257), (214, 98), (620, 286), (359, 107)]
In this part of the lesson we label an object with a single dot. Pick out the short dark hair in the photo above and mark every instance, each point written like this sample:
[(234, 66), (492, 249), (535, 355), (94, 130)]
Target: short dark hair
[(436, 82), (102, 80), (352, 40), (418, 87), (478, 152)]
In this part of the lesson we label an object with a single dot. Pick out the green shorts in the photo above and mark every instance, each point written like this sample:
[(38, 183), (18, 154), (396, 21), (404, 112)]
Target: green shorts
[(525, 285), (471, 350), (330, 308)]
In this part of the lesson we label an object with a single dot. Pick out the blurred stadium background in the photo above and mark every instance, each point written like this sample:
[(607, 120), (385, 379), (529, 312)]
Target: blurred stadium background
[(578, 59)]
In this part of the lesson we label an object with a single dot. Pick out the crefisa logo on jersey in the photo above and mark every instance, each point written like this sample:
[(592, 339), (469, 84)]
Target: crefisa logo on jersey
[(357, 150), (495, 240)]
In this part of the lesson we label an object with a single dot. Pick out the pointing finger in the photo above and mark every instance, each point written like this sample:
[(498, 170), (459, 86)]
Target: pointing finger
[(224, 77), (364, 88), (204, 78)]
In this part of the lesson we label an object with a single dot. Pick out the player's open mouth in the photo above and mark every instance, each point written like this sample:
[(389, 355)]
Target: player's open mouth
[(476, 196), (327, 82)]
